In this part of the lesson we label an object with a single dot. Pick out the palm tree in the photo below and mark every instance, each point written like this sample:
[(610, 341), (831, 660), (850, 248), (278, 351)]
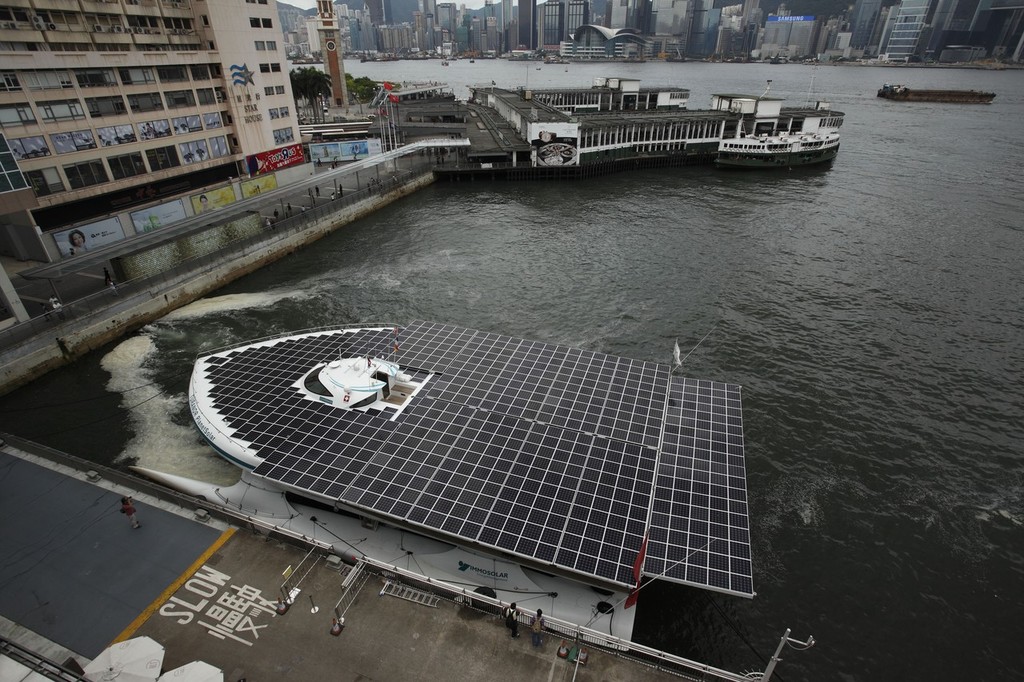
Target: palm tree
[(309, 84)]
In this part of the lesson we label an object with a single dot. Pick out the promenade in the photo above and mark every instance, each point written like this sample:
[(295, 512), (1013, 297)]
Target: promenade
[(78, 577)]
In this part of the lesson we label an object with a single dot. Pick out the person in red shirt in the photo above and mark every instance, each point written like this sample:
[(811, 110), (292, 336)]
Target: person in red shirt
[(128, 508)]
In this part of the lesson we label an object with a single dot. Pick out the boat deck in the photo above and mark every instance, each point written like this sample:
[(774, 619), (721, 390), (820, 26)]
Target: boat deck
[(79, 577)]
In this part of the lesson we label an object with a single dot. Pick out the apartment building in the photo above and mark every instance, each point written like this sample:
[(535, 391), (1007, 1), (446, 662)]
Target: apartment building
[(118, 111)]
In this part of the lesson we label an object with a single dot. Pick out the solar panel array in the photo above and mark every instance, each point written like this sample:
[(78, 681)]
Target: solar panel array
[(561, 456)]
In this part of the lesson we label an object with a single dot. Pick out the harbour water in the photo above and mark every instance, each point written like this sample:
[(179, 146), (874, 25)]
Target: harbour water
[(873, 311)]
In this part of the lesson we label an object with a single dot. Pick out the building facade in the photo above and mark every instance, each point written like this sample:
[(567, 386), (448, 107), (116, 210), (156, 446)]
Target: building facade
[(111, 105)]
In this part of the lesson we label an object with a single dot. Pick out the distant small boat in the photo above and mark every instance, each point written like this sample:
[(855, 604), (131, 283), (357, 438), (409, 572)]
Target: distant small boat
[(902, 93)]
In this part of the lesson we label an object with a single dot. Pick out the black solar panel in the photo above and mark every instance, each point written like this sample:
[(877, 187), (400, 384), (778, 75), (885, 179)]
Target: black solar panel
[(564, 457)]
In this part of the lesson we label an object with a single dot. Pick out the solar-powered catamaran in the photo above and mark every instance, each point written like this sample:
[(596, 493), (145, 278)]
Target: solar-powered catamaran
[(554, 476)]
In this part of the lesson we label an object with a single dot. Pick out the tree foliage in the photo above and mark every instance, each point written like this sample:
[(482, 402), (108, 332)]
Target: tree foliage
[(309, 84), (361, 89)]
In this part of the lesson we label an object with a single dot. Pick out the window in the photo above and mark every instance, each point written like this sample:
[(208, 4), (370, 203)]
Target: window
[(47, 80), (218, 147), (9, 82), (200, 72), (186, 124), (86, 174), (61, 110), (10, 175), (206, 96), (147, 101), (283, 135), (269, 90), (194, 152), (212, 120), (172, 74), (276, 68), (264, 68), (284, 112), (94, 78), (278, 89), (45, 181), (136, 76), (66, 143), (29, 147), (271, 44), (126, 165), (177, 99), (105, 106), (260, 45), (267, 23), (254, 22), (114, 135), (163, 157), (16, 114), (273, 113), (151, 130)]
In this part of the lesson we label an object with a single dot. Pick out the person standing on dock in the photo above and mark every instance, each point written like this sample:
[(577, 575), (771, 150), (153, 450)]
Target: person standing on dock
[(511, 614), (128, 509)]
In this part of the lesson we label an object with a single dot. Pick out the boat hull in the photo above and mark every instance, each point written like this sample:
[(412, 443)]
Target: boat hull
[(754, 160), (941, 96)]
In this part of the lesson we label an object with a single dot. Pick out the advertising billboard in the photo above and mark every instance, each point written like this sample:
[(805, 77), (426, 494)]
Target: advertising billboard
[(155, 217), (82, 238), (282, 157)]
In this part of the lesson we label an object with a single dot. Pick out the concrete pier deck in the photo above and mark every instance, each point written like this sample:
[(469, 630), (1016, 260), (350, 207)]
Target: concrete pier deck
[(78, 577)]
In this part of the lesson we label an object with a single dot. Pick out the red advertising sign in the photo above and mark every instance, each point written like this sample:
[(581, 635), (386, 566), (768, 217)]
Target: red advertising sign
[(282, 157)]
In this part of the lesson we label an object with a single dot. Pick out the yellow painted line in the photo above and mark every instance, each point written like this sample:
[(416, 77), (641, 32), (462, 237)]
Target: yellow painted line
[(173, 587)]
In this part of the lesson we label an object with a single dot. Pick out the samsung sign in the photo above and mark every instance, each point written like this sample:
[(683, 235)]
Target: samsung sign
[(775, 18)]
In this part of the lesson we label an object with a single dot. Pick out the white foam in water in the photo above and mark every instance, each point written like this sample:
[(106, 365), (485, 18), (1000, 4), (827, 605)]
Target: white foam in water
[(159, 443), (231, 302)]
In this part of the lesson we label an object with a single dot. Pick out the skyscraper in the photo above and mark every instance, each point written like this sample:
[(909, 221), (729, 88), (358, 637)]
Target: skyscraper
[(907, 27), (862, 23)]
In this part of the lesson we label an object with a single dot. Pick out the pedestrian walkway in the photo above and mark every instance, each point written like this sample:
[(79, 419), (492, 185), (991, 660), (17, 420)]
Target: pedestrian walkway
[(78, 575)]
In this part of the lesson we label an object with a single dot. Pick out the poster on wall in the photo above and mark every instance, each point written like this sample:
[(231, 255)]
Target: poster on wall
[(155, 217), (330, 152), (213, 199), (553, 150), (254, 186), (265, 162), (82, 238)]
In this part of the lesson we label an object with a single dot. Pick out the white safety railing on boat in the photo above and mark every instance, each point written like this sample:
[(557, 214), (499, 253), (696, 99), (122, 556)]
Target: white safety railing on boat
[(567, 629)]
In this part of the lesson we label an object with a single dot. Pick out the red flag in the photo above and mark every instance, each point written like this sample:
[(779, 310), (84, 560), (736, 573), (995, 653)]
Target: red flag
[(393, 98), (634, 594), (388, 86), (638, 565)]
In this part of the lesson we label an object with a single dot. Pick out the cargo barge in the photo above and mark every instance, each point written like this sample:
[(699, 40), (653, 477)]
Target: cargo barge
[(904, 94)]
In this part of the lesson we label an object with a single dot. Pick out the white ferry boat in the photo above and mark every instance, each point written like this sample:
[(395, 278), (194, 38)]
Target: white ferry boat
[(546, 475), (768, 135)]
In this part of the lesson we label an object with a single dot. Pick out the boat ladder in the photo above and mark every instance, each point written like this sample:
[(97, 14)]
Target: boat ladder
[(396, 589)]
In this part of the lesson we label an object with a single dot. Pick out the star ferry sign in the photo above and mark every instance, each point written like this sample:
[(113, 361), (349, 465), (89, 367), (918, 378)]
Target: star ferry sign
[(241, 75)]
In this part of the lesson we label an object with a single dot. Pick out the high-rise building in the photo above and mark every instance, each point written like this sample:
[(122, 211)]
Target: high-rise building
[(577, 13), (527, 24), (908, 24), (553, 24), (108, 106), (863, 21)]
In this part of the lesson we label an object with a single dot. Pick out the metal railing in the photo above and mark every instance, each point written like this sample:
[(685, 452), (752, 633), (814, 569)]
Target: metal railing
[(78, 313)]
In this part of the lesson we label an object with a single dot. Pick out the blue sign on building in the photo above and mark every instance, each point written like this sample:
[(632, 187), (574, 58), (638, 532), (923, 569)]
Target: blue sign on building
[(801, 18)]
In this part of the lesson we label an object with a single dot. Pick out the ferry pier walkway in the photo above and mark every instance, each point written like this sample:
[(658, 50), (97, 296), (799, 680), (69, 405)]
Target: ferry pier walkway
[(78, 577)]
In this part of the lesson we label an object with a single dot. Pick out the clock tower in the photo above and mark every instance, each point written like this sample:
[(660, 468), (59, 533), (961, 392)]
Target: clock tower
[(330, 45)]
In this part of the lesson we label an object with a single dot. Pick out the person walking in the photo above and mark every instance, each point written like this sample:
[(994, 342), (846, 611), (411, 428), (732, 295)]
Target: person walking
[(128, 509), (107, 279), (511, 614), (318, 191), (536, 628)]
